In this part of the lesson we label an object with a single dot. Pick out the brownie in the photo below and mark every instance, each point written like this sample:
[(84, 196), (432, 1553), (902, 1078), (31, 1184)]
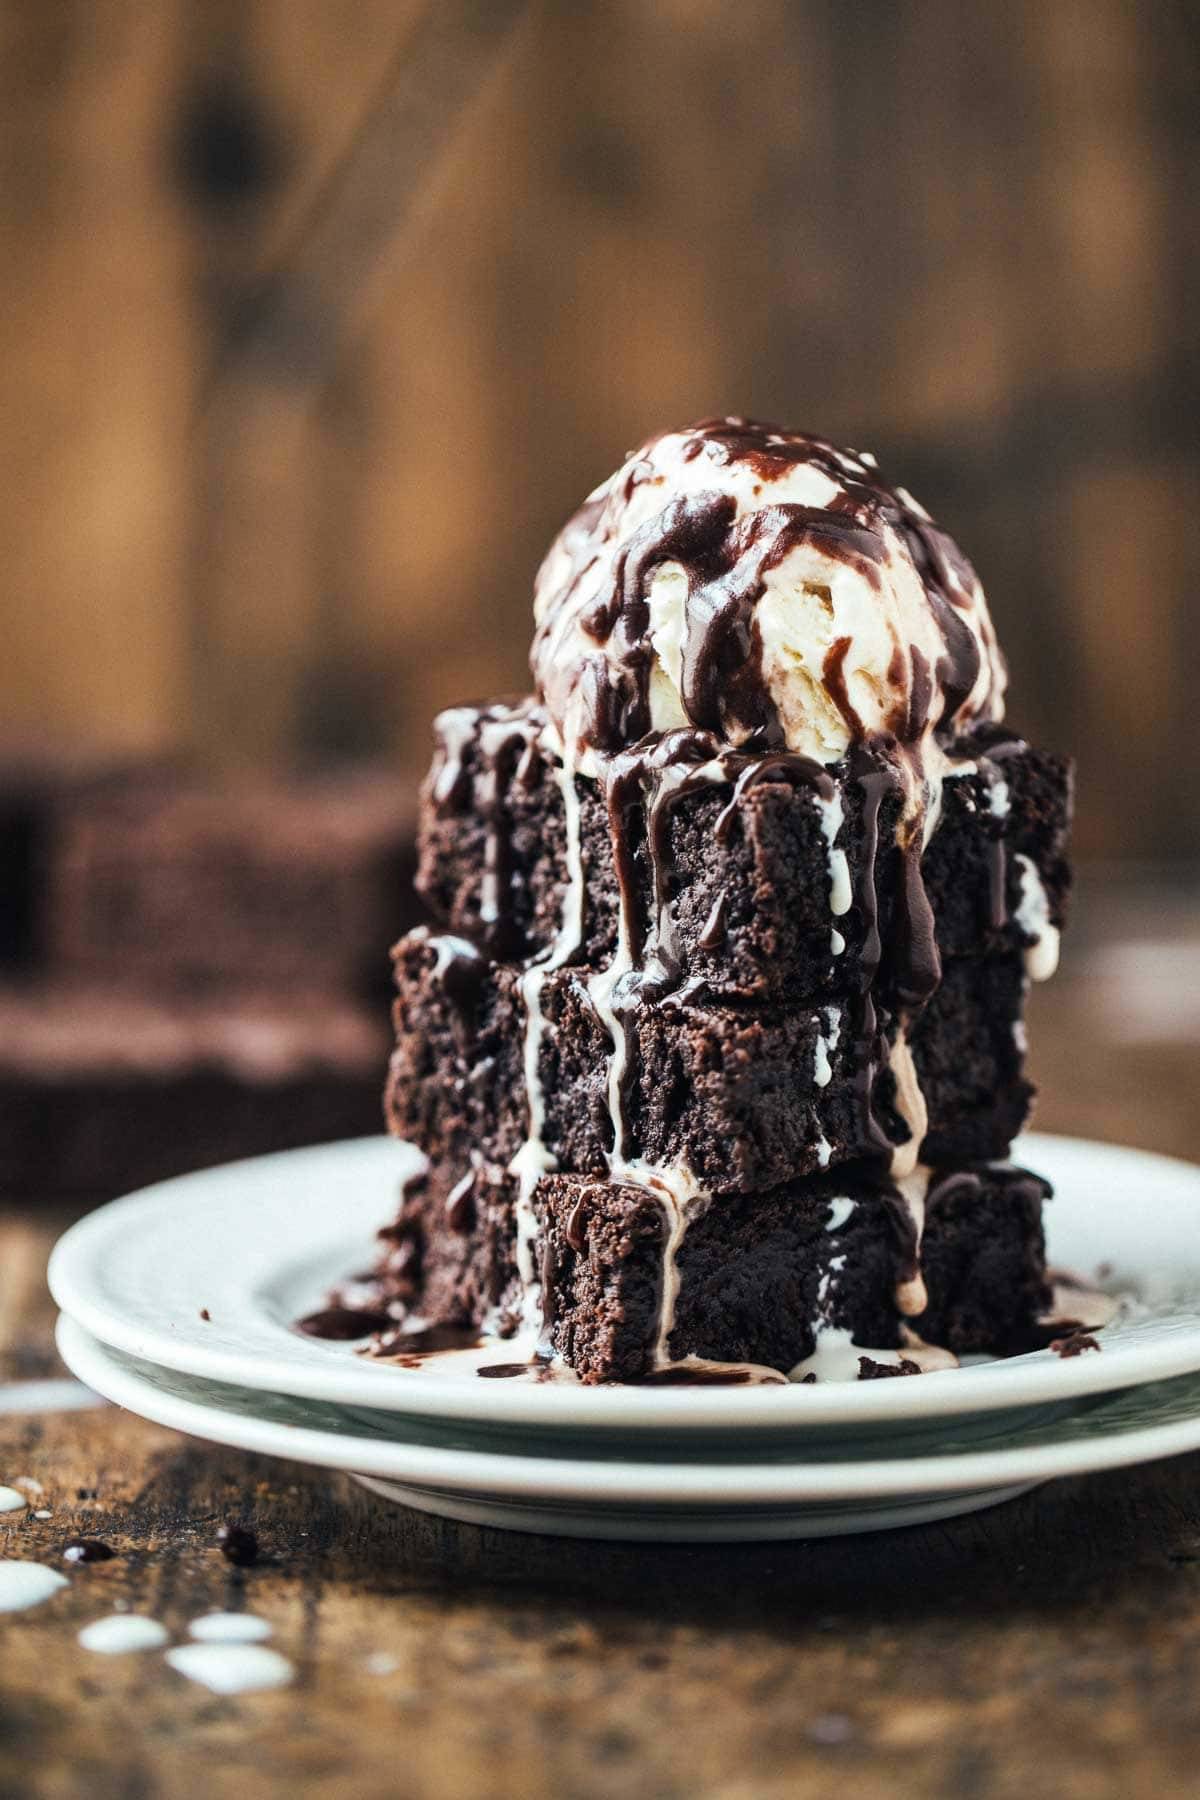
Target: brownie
[(191, 971), (39, 789), (451, 1253), (180, 886), (1017, 803), (983, 1260), (967, 1048), (750, 875), (756, 1274), (27, 795), (745, 1098), (761, 1275), (101, 1091)]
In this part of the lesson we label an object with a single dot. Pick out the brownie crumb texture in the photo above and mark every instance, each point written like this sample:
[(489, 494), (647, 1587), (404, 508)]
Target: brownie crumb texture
[(870, 1370)]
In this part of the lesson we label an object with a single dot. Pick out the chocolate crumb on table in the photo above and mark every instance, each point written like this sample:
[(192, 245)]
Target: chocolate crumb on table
[(87, 1550), (238, 1545), (1074, 1344)]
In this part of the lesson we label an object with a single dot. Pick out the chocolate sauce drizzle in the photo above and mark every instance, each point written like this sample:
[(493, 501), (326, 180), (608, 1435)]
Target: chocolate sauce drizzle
[(735, 739), (640, 786), (539, 1366), (497, 744), (680, 1375), (343, 1324), (409, 1344), (726, 559)]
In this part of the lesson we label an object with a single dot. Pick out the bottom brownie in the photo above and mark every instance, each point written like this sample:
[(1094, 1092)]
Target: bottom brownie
[(815, 1269)]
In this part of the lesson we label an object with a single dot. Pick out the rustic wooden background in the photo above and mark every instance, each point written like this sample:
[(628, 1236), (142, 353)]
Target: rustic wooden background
[(275, 474)]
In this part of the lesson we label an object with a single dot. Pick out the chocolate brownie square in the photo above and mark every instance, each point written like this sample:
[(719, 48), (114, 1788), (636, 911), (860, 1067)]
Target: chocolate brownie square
[(744, 1098), (776, 892), (761, 1277)]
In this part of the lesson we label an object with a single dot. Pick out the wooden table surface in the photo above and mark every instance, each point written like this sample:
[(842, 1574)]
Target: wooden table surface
[(1049, 1647)]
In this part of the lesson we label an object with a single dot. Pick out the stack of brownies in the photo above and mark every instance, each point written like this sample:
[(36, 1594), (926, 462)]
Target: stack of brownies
[(719, 1054)]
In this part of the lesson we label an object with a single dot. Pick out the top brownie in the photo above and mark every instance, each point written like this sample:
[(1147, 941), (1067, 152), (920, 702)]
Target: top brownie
[(776, 891)]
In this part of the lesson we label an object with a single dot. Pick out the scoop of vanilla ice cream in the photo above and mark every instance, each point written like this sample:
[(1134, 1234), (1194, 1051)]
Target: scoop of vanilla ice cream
[(766, 586)]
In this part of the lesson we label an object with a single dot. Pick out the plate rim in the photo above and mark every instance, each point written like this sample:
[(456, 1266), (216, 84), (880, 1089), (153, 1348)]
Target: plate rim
[(623, 1483), (344, 1380)]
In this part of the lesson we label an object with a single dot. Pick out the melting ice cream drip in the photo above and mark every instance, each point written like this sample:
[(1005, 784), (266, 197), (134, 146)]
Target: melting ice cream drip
[(840, 893), (910, 1104), (680, 1207), (652, 965), (504, 738), (912, 1298), (533, 1159), (1033, 920), (827, 1043), (683, 1202), (655, 962), (835, 1356), (676, 1189)]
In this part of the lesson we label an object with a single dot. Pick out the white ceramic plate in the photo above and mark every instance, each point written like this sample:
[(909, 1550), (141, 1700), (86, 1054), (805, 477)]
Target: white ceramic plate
[(565, 1493), (667, 1525), (256, 1245)]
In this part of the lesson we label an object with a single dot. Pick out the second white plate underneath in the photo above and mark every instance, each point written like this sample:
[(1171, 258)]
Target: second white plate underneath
[(207, 1274), (675, 1525), (569, 1492)]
